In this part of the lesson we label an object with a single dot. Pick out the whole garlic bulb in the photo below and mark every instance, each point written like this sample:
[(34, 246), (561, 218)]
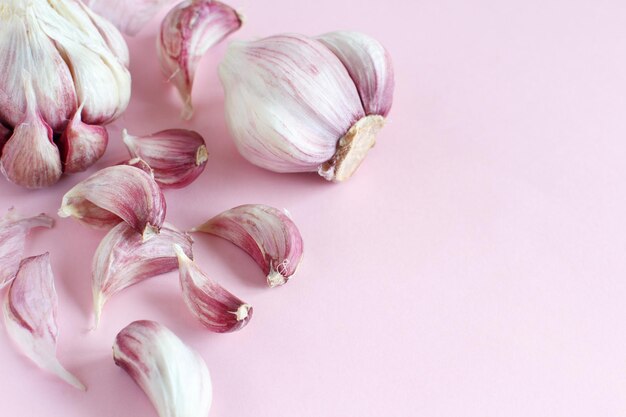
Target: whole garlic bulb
[(71, 58), (301, 104)]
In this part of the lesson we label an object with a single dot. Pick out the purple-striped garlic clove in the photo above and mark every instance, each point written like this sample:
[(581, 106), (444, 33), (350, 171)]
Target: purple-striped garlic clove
[(82, 144), (30, 316), (122, 260), (13, 231), (216, 308), (129, 16), (188, 31), (266, 233), (117, 193), (176, 156), (174, 377)]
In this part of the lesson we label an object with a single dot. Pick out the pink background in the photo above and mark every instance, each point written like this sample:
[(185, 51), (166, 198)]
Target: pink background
[(474, 266)]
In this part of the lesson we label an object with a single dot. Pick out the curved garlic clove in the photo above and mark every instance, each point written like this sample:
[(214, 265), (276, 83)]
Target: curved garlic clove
[(13, 231), (177, 156), (187, 33), (369, 65), (82, 144), (30, 311), (217, 309), (117, 193), (122, 260), (174, 377), (129, 16), (267, 234), (141, 164)]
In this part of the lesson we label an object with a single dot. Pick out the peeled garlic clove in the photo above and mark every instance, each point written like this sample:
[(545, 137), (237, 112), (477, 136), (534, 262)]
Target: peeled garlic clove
[(13, 231), (141, 164), (114, 194), (82, 144), (177, 156), (216, 308), (30, 311), (266, 233), (187, 33), (130, 16), (122, 260)]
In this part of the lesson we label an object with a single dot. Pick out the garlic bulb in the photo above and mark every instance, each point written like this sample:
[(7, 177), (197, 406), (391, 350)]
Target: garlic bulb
[(300, 104)]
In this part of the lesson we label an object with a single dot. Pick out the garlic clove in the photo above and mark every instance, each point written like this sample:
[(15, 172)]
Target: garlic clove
[(117, 193), (13, 231), (187, 33), (122, 260), (30, 158), (177, 156), (217, 309), (82, 144), (129, 16), (174, 377), (267, 234), (30, 311), (369, 65), (141, 164)]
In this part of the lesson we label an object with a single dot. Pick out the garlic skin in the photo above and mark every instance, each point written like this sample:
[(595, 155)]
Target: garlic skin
[(141, 164), (117, 193), (188, 31), (122, 260), (323, 113), (176, 156), (14, 228), (174, 377), (265, 233), (129, 16), (30, 311), (217, 309), (81, 144)]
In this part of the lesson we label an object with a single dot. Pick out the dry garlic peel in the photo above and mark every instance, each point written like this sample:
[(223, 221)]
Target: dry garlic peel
[(300, 104), (217, 309), (81, 144), (30, 311), (130, 16), (174, 377), (114, 194), (122, 260), (188, 31), (176, 156), (141, 164), (266, 233)]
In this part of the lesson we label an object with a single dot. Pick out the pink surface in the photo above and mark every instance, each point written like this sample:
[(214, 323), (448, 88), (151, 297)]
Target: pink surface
[(474, 266)]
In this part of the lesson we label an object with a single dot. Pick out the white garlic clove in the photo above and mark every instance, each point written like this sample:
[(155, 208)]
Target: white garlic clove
[(129, 16), (176, 156), (141, 164), (266, 233), (13, 231), (111, 35), (114, 194), (174, 377), (122, 260), (217, 309), (30, 311), (369, 65), (187, 33), (82, 144), (30, 158)]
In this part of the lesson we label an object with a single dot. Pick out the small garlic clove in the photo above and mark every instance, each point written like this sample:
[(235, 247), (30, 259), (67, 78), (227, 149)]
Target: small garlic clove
[(369, 65), (267, 234), (129, 16), (122, 260), (82, 144), (141, 164), (177, 156), (174, 377), (13, 231), (187, 33), (30, 311), (117, 193), (217, 309)]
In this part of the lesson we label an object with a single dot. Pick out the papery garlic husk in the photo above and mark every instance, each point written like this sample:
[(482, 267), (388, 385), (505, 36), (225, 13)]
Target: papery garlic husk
[(114, 194), (300, 104), (30, 316), (174, 377), (82, 144), (188, 31), (13, 231), (267, 234), (216, 308), (141, 164), (122, 260), (129, 16), (176, 156)]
